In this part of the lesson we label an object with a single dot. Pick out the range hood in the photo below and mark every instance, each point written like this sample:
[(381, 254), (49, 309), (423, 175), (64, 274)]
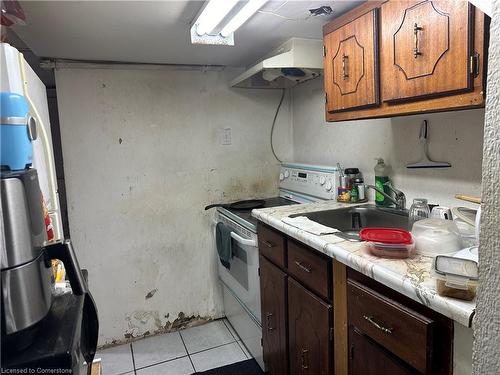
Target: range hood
[(295, 61)]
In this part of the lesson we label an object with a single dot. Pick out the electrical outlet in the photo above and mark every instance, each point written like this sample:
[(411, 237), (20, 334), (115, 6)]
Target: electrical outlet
[(226, 136)]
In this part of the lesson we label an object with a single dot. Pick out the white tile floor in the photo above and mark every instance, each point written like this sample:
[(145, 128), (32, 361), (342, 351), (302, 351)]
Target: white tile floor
[(194, 349)]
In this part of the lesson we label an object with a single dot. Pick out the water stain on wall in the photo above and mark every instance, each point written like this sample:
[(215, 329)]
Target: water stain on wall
[(138, 320)]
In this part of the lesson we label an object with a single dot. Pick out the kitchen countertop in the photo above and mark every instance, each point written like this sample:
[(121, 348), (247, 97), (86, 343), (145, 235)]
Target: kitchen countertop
[(410, 277)]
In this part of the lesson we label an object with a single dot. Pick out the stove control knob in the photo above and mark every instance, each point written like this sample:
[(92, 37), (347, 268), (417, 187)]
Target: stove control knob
[(322, 180), (282, 176), (328, 185), (287, 173)]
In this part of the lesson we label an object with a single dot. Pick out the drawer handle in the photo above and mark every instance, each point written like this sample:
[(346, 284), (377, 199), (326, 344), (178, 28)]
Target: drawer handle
[(302, 267), (268, 320), (416, 29), (374, 323), (304, 359), (269, 244)]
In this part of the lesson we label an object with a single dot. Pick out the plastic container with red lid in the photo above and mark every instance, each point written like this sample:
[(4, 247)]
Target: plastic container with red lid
[(388, 242), (386, 235)]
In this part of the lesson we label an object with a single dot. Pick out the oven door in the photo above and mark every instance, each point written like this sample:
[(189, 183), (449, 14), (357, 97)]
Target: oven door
[(243, 276)]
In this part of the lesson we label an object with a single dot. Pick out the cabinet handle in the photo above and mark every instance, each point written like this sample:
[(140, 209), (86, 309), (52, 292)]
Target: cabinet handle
[(344, 66), (268, 320), (269, 244), (416, 29), (302, 267), (378, 326), (304, 359)]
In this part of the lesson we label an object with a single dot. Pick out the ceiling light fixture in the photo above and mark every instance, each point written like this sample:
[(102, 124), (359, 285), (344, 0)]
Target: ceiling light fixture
[(212, 15), (242, 16)]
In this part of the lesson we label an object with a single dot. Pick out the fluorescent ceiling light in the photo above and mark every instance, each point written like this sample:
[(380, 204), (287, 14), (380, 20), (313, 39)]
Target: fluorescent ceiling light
[(214, 12), (242, 16)]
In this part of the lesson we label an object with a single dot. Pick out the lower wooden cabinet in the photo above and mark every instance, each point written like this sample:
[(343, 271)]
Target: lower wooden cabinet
[(378, 330), (368, 358), (310, 338), (273, 307)]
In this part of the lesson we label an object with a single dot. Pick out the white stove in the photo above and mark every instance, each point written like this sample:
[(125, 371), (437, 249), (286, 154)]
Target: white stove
[(299, 183)]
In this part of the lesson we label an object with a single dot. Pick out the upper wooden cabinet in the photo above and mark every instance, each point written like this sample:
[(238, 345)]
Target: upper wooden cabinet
[(351, 74), (425, 48), (401, 57)]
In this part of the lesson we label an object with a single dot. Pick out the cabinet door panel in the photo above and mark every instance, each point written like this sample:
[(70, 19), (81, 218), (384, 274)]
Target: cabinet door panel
[(273, 302), (309, 331), (351, 65), (367, 358), (425, 48)]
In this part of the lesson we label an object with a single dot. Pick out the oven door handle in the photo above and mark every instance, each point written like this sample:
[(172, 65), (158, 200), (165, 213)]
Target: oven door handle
[(243, 241)]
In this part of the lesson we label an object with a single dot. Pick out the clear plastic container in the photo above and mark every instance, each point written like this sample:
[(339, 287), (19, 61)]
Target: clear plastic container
[(455, 277), (391, 251), (465, 218), (436, 236)]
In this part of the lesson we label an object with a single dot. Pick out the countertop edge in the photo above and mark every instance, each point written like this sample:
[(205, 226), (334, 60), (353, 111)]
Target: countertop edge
[(404, 285)]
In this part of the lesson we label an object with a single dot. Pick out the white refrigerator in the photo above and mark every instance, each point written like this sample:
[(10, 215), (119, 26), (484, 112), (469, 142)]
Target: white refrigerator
[(18, 77)]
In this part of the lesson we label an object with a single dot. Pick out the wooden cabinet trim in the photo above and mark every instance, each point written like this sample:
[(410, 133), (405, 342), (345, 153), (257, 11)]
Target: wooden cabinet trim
[(363, 61), (340, 338), (350, 16)]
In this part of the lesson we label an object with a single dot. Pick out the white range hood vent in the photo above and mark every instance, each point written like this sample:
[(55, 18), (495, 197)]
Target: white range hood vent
[(295, 61)]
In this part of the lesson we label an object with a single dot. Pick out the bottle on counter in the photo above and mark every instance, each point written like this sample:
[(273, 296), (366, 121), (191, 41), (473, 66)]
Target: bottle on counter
[(354, 193), (360, 185), (381, 177), (351, 174)]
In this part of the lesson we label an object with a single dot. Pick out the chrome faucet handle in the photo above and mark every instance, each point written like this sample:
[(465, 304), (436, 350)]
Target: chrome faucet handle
[(396, 203), (398, 195)]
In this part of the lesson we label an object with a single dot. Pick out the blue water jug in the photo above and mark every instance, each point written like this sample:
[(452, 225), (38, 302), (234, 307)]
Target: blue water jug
[(17, 130)]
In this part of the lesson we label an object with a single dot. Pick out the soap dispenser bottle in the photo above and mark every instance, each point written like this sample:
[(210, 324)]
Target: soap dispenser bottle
[(381, 177)]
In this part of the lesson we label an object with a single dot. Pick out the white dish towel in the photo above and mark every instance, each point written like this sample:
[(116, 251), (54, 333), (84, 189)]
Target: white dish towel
[(308, 225)]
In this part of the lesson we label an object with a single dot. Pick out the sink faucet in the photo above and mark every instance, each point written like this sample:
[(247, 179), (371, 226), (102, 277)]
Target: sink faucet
[(399, 199)]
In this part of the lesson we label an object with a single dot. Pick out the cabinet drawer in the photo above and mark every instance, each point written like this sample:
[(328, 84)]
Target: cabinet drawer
[(271, 245), (310, 268), (399, 329)]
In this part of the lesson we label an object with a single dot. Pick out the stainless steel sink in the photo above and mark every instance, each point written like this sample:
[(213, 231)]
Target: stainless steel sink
[(351, 220)]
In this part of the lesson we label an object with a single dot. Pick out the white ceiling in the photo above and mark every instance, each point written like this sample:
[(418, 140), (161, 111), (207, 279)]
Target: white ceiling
[(158, 31)]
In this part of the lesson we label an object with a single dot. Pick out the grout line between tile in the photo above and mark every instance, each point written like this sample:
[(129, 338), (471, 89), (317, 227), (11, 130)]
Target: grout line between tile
[(185, 347), (133, 359), (243, 350), (214, 347), (162, 362), (229, 329)]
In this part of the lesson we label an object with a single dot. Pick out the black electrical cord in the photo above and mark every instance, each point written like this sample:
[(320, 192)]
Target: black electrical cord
[(274, 123)]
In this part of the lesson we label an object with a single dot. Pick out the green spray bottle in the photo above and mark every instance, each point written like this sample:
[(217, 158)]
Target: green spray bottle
[(381, 177)]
